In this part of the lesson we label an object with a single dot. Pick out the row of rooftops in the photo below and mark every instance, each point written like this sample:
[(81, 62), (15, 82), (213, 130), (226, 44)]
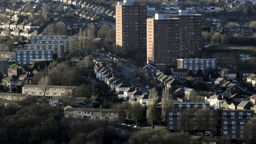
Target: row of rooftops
[(99, 67), (89, 10), (49, 37), (237, 95), (70, 108), (16, 23), (129, 91), (49, 86), (238, 101), (251, 77), (2, 94), (174, 16), (165, 79)]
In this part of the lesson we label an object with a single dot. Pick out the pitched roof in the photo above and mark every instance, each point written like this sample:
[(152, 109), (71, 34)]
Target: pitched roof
[(213, 96), (179, 70), (90, 109), (131, 89), (138, 93), (188, 89), (112, 79), (143, 96), (243, 103), (234, 95), (158, 74), (50, 86), (149, 66), (219, 79), (252, 96), (163, 77), (124, 85), (251, 76), (170, 82), (179, 90), (168, 79), (226, 83)]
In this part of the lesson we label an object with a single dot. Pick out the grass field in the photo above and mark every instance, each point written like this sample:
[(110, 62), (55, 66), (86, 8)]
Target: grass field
[(230, 55)]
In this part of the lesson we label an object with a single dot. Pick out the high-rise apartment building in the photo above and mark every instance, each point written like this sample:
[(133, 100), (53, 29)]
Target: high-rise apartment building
[(131, 18), (169, 38)]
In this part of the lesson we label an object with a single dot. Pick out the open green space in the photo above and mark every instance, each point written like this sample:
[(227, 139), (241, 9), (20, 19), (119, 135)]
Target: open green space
[(230, 55)]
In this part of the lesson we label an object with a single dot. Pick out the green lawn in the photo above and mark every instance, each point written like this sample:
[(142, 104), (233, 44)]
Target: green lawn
[(230, 55)]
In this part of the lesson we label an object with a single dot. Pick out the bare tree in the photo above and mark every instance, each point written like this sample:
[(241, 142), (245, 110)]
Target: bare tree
[(90, 32), (153, 95), (152, 114), (231, 25), (152, 111), (206, 36), (217, 38), (44, 81), (45, 12), (166, 102), (252, 25), (137, 113)]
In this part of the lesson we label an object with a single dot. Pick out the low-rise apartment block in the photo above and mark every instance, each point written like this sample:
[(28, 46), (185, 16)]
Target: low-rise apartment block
[(48, 91), (13, 96), (229, 122), (42, 48), (174, 117), (196, 64), (30, 56), (233, 122), (92, 113), (11, 56), (4, 66), (56, 43)]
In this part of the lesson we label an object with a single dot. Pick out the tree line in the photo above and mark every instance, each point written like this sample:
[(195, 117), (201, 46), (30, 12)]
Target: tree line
[(32, 121)]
